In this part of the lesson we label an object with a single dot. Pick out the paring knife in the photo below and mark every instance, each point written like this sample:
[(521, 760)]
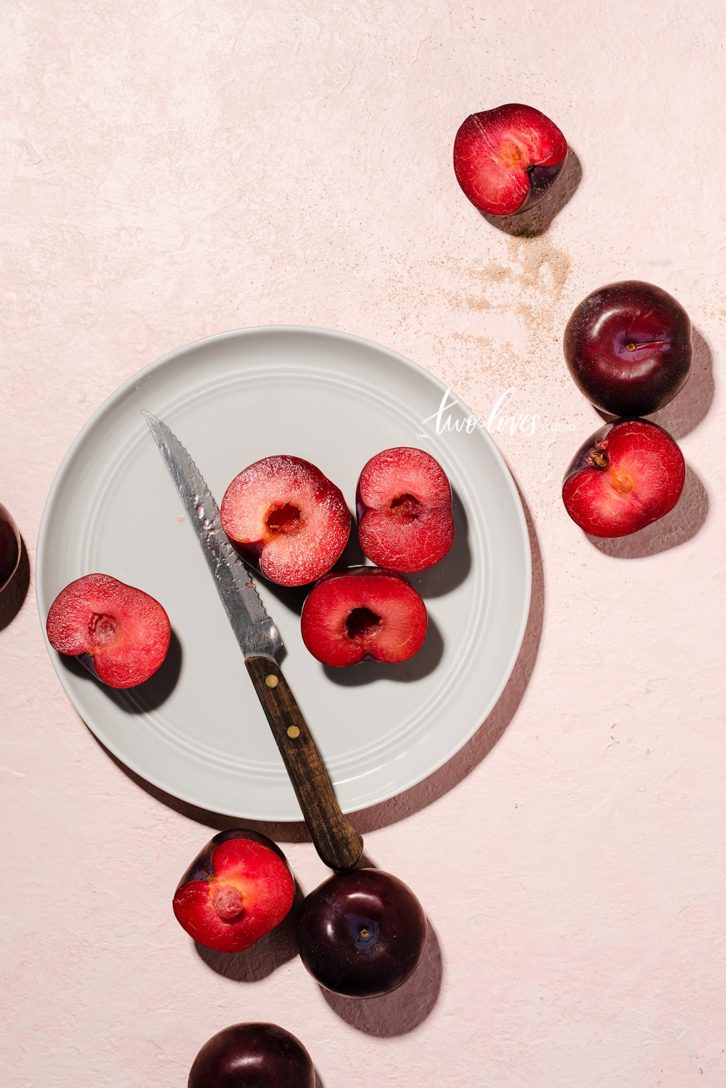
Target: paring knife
[(336, 840)]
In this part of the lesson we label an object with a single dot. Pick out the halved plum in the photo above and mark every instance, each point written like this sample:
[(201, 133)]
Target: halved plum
[(403, 501), (505, 159), (627, 475), (120, 633), (238, 888), (364, 612), (287, 519)]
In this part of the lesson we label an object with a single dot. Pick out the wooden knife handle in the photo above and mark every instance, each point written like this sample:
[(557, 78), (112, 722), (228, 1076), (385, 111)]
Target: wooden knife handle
[(336, 840)]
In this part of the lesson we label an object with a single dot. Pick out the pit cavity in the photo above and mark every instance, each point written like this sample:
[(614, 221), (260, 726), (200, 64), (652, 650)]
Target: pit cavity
[(362, 623), (102, 628), (405, 507), (284, 518), (228, 903)]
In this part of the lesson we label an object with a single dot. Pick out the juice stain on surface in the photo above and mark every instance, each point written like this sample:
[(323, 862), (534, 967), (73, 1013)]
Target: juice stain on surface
[(514, 310)]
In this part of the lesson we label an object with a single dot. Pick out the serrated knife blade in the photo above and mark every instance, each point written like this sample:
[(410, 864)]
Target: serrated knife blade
[(255, 631), (336, 840)]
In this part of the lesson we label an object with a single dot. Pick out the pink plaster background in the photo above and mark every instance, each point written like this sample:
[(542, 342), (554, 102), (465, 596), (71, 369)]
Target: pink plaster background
[(172, 169)]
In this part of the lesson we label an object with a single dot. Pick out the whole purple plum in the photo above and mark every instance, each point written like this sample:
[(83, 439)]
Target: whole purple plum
[(361, 933), (252, 1056), (628, 347)]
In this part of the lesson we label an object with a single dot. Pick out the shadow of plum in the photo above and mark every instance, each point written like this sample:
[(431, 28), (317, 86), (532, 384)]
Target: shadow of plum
[(690, 406), (403, 1010), (455, 567)]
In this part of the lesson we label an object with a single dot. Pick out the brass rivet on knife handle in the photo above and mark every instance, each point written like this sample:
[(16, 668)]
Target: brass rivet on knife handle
[(336, 840)]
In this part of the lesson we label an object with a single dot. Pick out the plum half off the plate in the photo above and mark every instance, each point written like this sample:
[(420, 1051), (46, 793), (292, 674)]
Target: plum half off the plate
[(506, 158), (627, 475), (238, 888)]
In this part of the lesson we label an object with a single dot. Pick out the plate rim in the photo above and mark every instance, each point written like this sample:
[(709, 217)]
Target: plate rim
[(132, 382)]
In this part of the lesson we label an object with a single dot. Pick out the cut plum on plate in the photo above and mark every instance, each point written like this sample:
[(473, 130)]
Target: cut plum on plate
[(403, 502), (252, 1056), (238, 888), (627, 475), (362, 613), (120, 633), (505, 159), (287, 519)]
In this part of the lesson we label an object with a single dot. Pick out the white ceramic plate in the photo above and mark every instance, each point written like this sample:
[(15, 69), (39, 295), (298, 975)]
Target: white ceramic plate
[(196, 729)]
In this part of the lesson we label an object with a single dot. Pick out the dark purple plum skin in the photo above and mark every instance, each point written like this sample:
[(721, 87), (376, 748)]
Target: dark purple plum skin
[(541, 180), (252, 1056), (619, 381), (361, 933), (582, 458), (201, 867), (9, 547)]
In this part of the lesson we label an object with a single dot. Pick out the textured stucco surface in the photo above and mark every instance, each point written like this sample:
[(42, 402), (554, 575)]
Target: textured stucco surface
[(172, 169)]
